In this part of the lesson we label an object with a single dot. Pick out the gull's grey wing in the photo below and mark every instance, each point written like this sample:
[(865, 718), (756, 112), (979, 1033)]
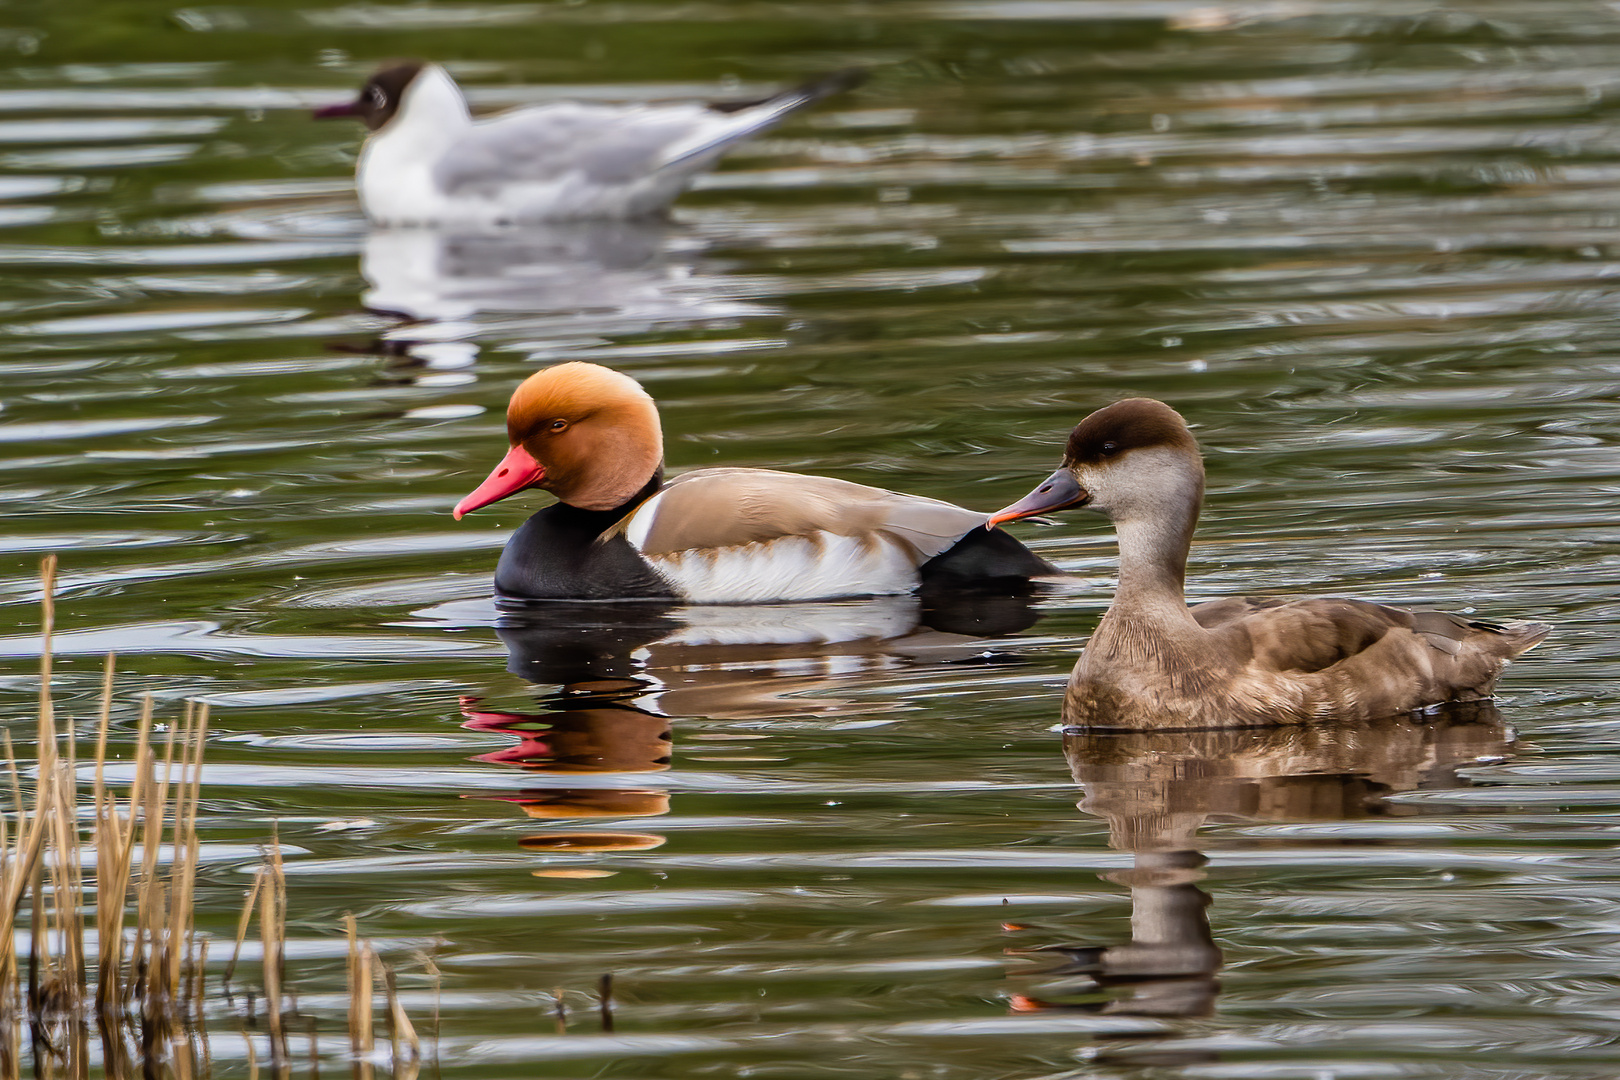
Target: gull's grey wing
[(605, 144), (614, 144), (732, 123)]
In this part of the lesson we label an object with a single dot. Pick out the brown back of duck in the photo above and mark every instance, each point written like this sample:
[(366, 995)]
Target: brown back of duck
[(1284, 661)]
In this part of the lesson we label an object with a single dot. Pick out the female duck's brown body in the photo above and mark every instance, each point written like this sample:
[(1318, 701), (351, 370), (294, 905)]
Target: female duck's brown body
[(1155, 662)]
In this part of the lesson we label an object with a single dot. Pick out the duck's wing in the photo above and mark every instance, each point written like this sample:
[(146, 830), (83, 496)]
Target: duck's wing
[(744, 535), (725, 508), (605, 144), (1309, 635), (1319, 658)]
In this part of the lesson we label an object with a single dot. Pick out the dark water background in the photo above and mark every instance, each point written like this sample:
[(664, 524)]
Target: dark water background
[(1367, 248)]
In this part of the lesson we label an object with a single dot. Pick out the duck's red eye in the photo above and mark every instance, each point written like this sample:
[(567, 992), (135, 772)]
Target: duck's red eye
[(557, 425)]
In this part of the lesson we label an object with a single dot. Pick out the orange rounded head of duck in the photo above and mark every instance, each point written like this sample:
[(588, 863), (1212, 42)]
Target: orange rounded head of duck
[(585, 433), (1115, 461)]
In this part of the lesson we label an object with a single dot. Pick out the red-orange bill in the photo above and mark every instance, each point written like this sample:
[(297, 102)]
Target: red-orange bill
[(517, 470), (1057, 492)]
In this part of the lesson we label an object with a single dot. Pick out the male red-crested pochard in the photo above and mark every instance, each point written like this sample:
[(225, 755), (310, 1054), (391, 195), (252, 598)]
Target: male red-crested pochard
[(591, 437), (1155, 662), (427, 162)]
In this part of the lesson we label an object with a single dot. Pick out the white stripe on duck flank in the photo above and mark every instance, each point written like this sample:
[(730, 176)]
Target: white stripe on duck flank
[(818, 566)]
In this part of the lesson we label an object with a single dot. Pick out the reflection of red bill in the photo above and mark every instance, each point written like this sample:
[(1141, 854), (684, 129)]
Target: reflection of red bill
[(1022, 1004)]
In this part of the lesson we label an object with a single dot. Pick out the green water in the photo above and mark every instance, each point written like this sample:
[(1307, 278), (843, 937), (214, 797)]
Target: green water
[(1367, 248)]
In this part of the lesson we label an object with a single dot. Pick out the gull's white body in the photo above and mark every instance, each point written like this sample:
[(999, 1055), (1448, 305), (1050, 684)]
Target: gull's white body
[(432, 164)]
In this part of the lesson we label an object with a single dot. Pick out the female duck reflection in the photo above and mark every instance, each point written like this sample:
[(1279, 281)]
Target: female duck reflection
[(1157, 788), (623, 672)]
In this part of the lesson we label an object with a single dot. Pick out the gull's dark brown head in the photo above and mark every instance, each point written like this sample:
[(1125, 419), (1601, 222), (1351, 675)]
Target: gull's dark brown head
[(1132, 458), (380, 97)]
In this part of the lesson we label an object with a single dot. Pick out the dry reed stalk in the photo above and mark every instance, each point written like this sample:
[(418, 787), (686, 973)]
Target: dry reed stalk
[(244, 921), (47, 627), (181, 935), (252, 1057), (399, 1024), (19, 871), (179, 856), (36, 911), (150, 987), (180, 1057), (44, 786), (272, 925), (385, 976), (433, 973), (186, 932), (361, 1037), (115, 851), (198, 985)]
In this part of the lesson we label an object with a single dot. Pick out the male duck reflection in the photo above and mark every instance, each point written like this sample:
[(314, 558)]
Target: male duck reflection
[(1155, 662), (427, 162), (591, 437)]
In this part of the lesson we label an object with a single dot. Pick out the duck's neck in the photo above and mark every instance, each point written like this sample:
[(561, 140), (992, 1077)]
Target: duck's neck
[(607, 518), (1153, 557)]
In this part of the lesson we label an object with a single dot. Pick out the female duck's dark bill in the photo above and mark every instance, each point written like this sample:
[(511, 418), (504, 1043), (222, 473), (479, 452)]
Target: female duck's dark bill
[(1057, 492), (332, 112), (517, 470)]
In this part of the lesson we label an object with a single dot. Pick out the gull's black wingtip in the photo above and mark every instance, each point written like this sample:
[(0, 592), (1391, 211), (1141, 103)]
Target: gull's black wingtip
[(807, 93)]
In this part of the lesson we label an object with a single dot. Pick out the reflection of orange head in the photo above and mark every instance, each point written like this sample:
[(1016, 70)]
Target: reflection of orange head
[(581, 740), (592, 803), (585, 842)]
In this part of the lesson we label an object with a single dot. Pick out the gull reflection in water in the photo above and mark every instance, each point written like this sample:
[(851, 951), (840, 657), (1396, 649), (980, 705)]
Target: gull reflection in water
[(618, 677), (565, 282), (1156, 789)]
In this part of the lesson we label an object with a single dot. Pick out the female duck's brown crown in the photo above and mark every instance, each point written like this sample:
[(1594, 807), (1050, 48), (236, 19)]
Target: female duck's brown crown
[(1132, 424)]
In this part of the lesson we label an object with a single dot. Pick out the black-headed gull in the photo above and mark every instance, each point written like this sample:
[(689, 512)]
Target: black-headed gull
[(427, 162)]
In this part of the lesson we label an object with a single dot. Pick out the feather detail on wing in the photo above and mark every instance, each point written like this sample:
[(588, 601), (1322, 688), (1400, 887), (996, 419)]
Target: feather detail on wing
[(733, 123), (1312, 635), (725, 508), (605, 144)]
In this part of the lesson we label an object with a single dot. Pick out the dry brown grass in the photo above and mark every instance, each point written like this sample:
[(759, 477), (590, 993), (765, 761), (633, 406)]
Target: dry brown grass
[(148, 992)]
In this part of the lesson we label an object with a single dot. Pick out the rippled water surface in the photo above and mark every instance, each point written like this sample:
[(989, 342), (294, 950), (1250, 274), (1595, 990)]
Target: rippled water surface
[(1367, 248)]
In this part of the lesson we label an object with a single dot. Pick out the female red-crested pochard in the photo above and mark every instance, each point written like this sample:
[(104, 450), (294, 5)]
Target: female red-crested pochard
[(1155, 662), (591, 437)]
